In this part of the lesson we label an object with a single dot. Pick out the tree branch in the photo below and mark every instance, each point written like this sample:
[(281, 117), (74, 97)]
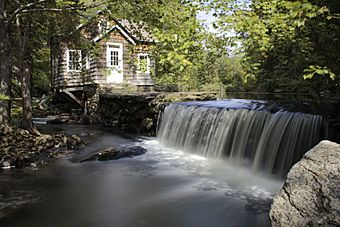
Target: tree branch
[(18, 2), (2, 10), (37, 10), (20, 9), (61, 9)]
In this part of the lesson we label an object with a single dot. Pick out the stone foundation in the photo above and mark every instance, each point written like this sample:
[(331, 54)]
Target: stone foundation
[(138, 112)]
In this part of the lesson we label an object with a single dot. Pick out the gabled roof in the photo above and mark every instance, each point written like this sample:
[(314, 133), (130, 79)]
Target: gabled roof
[(139, 31), (132, 31), (120, 29)]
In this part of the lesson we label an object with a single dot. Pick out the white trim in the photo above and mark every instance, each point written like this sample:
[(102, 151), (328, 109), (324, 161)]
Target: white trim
[(99, 37), (148, 63), (68, 61), (87, 61), (117, 72), (120, 53)]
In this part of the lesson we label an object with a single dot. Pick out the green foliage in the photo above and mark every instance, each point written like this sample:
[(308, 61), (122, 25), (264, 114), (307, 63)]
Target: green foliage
[(285, 41), (313, 70), (179, 39), (185, 53), (4, 97)]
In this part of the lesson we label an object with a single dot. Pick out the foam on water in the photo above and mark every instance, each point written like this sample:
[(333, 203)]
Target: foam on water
[(268, 139)]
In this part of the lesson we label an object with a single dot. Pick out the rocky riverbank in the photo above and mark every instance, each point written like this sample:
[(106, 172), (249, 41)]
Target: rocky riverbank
[(311, 193), (19, 148)]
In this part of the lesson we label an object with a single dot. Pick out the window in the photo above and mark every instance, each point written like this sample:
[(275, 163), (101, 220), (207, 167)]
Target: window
[(143, 65), (73, 60), (114, 59)]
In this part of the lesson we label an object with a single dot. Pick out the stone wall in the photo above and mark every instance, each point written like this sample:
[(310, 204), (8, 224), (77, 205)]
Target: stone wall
[(138, 112)]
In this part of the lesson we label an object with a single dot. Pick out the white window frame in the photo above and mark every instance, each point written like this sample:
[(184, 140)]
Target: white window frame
[(148, 63), (87, 62), (68, 61), (120, 54)]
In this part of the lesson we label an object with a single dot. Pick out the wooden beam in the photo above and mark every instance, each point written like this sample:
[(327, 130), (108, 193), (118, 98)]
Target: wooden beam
[(73, 97), (79, 88)]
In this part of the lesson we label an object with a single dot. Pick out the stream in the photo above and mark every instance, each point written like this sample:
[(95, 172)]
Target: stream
[(164, 187)]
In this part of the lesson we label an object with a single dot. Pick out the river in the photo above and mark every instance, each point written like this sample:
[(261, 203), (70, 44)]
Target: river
[(164, 187)]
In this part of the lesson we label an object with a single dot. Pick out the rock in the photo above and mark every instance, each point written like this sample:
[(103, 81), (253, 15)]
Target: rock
[(104, 155), (147, 124), (128, 152), (19, 148), (5, 165), (114, 153), (138, 112), (311, 193), (60, 119)]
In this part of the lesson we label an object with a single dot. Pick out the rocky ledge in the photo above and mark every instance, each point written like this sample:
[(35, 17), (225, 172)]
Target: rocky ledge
[(311, 193), (139, 112), (114, 153), (19, 148)]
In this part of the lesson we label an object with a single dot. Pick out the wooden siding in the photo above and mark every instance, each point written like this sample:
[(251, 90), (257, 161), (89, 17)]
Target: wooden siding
[(63, 78), (113, 37), (96, 74)]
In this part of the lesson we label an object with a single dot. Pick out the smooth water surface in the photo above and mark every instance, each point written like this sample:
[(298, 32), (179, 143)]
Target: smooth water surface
[(164, 187)]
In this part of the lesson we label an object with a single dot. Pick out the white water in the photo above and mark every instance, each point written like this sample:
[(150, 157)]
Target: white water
[(164, 187), (268, 142), (214, 174)]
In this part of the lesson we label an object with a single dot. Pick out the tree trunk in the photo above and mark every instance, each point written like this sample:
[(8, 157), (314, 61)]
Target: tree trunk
[(25, 76), (5, 71), (26, 121)]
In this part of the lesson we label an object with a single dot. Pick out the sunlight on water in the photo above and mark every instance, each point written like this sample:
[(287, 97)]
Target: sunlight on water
[(215, 175), (242, 131)]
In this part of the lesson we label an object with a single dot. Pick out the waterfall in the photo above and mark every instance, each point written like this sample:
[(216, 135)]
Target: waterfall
[(241, 131)]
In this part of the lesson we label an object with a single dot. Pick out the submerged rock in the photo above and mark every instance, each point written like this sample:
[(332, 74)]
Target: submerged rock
[(114, 153), (311, 193)]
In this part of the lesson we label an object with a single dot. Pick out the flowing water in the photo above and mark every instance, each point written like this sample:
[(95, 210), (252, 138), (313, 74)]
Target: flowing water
[(164, 187), (174, 183), (257, 134)]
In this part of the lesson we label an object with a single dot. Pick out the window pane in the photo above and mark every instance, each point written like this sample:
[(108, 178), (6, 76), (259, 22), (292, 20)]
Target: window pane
[(74, 60), (143, 64), (115, 58)]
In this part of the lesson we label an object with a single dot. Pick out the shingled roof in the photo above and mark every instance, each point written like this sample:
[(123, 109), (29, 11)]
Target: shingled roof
[(139, 31), (133, 31)]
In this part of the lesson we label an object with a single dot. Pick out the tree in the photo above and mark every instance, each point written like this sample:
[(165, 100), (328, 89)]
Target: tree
[(5, 62), (11, 11), (186, 53), (183, 49), (24, 71), (179, 37), (283, 40)]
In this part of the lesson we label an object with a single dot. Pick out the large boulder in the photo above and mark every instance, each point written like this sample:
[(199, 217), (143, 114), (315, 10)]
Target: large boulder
[(311, 194)]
